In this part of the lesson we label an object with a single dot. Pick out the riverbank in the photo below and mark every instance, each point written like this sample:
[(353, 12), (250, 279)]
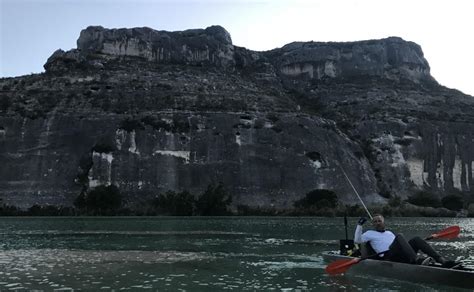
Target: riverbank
[(406, 210), (216, 201)]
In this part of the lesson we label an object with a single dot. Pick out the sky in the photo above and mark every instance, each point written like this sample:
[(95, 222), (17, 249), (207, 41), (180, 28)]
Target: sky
[(31, 30)]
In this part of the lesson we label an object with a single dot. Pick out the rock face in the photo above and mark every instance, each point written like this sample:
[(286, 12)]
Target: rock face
[(212, 45), (151, 111), (390, 58)]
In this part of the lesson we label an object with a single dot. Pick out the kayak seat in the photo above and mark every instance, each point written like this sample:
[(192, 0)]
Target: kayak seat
[(366, 249)]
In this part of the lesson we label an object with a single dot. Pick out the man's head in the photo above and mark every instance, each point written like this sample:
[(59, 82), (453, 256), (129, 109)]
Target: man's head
[(378, 222)]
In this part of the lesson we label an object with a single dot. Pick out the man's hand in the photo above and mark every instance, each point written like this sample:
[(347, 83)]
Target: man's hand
[(362, 220)]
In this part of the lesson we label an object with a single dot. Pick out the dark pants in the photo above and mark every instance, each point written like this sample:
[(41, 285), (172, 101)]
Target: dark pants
[(405, 252)]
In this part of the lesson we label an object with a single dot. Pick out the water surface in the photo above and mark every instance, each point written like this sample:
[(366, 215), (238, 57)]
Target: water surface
[(196, 253)]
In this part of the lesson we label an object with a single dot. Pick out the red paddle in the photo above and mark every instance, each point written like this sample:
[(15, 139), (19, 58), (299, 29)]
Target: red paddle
[(448, 233), (341, 266)]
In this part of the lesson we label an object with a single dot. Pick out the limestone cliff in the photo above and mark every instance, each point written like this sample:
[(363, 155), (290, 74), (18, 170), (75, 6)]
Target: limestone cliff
[(151, 111)]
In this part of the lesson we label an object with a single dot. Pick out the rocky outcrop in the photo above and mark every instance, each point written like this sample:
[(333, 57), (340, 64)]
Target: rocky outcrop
[(391, 58), (151, 111), (212, 45)]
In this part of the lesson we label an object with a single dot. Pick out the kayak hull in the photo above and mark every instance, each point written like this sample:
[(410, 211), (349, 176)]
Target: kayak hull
[(407, 272)]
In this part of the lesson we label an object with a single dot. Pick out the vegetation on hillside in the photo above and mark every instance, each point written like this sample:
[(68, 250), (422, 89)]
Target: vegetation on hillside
[(215, 200)]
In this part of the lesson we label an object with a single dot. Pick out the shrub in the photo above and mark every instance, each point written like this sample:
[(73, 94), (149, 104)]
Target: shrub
[(425, 199), (181, 125), (244, 210), (103, 148), (313, 155), (5, 102), (277, 129), (157, 124), (387, 211), (49, 210), (130, 125), (453, 202), (354, 210), (395, 201), (178, 125), (172, 203), (318, 198), (403, 142), (101, 200), (272, 117), (470, 210), (85, 164), (80, 201), (214, 201), (8, 210)]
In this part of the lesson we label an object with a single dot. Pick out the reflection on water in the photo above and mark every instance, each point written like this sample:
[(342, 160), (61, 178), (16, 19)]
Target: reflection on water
[(50, 268), (194, 254)]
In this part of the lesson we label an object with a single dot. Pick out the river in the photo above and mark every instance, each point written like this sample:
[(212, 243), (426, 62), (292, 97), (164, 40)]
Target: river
[(196, 253)]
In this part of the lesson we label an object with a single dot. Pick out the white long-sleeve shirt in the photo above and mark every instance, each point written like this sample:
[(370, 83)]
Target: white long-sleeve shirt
[(380, 241)]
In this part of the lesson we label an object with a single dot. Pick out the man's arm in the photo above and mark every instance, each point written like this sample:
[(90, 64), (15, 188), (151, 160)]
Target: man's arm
[(358, 234), (358, 231)]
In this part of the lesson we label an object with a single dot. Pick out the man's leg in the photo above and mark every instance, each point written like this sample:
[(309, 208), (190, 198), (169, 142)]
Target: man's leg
[(419, 244), (401, 251)]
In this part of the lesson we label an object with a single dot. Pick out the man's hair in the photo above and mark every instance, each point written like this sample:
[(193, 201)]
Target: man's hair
[(378, 215)]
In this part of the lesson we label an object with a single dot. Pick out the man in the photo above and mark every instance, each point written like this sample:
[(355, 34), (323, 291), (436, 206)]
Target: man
[(398, 249)]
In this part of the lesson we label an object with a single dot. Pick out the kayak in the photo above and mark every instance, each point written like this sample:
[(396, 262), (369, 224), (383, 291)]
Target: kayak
[(432, 274)]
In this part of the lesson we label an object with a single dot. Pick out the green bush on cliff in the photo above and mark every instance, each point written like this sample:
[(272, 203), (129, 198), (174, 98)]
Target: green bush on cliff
[(172, 203), (156, 123), (102, 200), (244, 210), (103, 148), (181, 125), (453, 202), (214, 201), (130, 125), (470, 210), (353, 211), (318, 198), (425, 199), (5, 102), (395, 201), (8, 210), (49, 210)]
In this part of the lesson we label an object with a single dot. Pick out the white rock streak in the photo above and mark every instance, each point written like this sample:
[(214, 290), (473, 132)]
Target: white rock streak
[(121, 138), (316, 164), (417, 175), (237, 140), (397, 157), (104, 175), (180, 154), (133, 144)]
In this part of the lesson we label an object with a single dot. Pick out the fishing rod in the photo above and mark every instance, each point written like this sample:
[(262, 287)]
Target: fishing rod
[(347, 178), (367, 210)]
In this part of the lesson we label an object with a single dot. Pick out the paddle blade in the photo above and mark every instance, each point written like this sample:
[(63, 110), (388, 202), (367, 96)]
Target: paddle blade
[(341, 266), (448, 233)]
